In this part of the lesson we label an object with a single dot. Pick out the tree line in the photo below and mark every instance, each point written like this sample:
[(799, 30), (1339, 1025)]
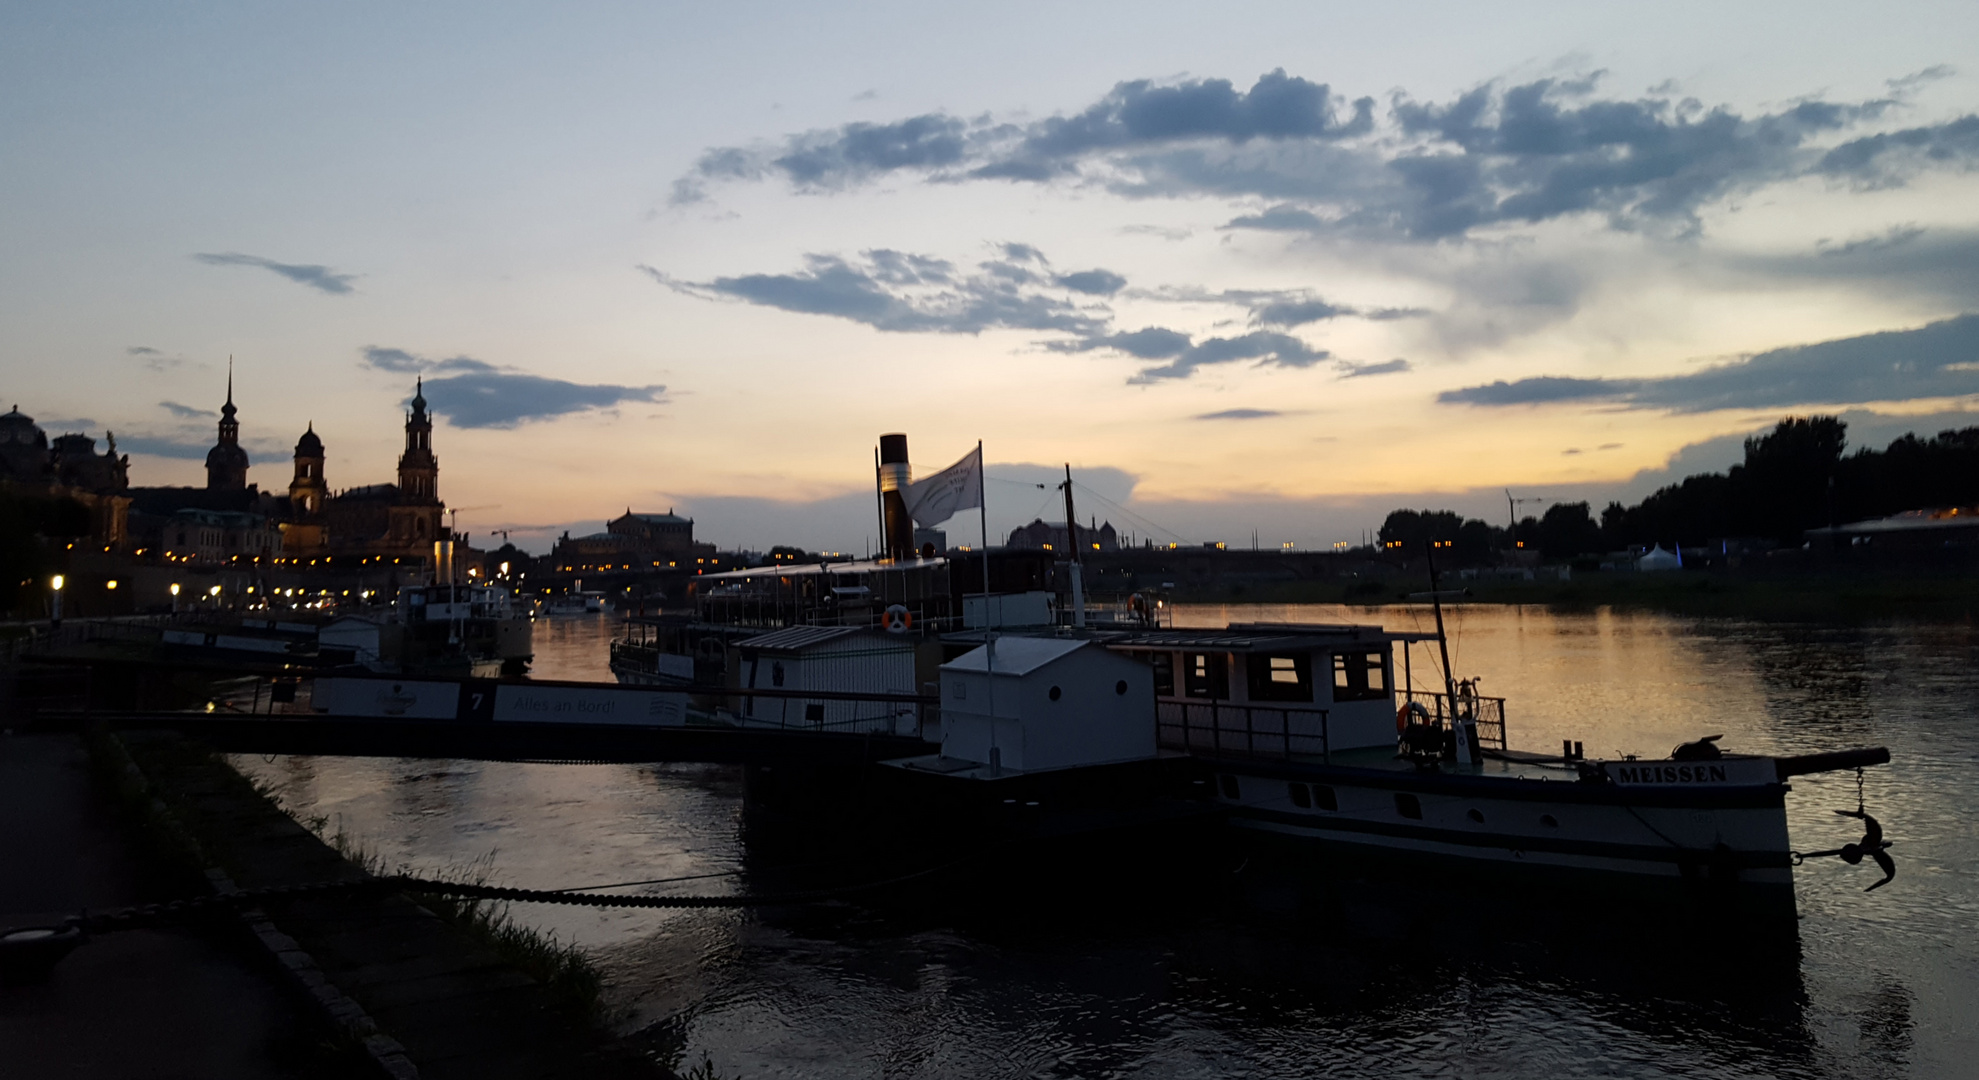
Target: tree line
[(1794, 478)]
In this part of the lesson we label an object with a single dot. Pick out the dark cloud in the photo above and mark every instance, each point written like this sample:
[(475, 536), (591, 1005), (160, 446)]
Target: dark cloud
[(1267, 348), (1935, 361), (1240, 414), (1147, 343), (1350, 370), (1889, 159), (185, 412), (1280, 218), (1285, 314), (321, 278), (901, 293), (1895, 237), (1493, 155), (184, 448), (1541, 390), (1184, 354), (1093, 282), (473, 393)]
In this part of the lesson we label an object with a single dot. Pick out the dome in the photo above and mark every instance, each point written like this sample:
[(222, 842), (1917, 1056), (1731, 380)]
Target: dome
[(227, 456), (18, 427), (309, 445)]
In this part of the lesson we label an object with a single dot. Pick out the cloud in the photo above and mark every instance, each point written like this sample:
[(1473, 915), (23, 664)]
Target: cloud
[(1935, 361), (905, 293), (1494, 155), (1093, 282), (473, 393), (1285, 314), (184, 448), (154, 359), (321, 278), (1350, 370), (185, 412), (1240, 414)]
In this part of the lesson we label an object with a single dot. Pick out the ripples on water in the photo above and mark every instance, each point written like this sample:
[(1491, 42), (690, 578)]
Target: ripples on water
[(1368, 980)]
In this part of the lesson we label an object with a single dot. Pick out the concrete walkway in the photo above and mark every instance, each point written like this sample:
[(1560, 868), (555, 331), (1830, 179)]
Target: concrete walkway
[(140, 1004)]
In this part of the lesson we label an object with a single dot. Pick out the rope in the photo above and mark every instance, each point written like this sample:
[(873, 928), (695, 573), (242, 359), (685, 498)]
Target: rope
[(146, 916)]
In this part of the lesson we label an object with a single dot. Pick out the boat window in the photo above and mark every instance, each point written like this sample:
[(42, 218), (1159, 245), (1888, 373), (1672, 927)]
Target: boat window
[(1164, 673), (1280, 678), (1408, 806), (1206, 675), (1229, 786), (1322, 797), (1300, 796), (1359, 676)]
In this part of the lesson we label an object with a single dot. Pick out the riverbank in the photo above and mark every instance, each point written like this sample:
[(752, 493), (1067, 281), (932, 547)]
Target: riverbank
[(1845, 597)]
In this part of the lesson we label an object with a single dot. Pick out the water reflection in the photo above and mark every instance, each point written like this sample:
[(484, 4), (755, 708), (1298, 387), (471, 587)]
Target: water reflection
[(1241, 977)]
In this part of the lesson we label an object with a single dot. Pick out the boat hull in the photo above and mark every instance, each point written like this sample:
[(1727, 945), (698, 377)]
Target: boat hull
[(1720, 845)]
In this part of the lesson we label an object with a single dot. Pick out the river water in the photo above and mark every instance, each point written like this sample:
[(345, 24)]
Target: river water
[(1882, 984)]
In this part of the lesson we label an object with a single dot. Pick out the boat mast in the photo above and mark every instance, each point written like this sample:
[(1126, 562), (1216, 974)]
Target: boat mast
[(1443, 645), (1072, 541)]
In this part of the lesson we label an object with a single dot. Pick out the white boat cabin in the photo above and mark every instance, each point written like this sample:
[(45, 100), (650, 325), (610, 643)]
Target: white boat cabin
[(1042, 703), (1276, 688)]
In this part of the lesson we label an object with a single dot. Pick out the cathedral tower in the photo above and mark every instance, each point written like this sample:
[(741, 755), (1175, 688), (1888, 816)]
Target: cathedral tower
[(226, 463), (419, 470), (308, 489)]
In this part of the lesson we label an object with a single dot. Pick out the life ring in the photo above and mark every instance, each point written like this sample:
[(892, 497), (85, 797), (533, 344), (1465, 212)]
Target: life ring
[(1413, 709), (899, 620)]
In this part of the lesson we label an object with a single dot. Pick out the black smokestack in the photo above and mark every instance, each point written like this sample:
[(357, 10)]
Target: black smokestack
[(893, 500)]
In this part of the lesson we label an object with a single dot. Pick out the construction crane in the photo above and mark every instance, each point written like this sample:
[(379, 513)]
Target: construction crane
[(453, 515), (1514, 504)]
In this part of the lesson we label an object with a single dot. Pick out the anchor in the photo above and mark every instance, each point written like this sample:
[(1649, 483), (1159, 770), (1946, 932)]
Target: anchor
[(1873, 845)]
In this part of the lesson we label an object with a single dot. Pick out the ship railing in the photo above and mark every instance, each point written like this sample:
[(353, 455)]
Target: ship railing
[(1488, 713), (1219, 727)]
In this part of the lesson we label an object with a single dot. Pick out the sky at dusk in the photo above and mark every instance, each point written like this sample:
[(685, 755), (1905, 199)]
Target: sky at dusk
[(1249, 268)]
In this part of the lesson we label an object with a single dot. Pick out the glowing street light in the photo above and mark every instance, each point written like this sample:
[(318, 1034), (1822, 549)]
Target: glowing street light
[(55, 586)]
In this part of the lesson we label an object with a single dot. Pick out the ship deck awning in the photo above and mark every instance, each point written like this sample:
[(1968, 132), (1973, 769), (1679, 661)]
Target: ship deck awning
[(862, 566), (1261, 638)]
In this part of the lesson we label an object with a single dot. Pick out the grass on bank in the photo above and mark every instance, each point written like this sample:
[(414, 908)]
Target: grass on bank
[(573, 981), (172, 832)]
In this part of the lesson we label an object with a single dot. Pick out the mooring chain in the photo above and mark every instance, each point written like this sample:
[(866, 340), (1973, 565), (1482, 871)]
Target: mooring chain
[(166, 913)]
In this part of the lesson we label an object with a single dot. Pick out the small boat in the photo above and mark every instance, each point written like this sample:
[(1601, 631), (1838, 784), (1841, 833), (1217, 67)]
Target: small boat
[(578, 603)]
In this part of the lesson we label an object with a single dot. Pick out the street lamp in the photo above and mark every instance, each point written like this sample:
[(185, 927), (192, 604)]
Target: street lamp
[(55, 586), (175, 598)]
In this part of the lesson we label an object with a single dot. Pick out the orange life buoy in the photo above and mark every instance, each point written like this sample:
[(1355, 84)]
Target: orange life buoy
[(899, 620), (1402, 715)]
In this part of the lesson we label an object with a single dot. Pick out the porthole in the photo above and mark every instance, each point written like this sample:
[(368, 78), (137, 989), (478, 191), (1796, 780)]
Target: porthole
[(1229, 786), (1549, 821), (1408, 806), (1476, 815), (1301, 798), (1055, 693), (1120, 688), (1322, 797)]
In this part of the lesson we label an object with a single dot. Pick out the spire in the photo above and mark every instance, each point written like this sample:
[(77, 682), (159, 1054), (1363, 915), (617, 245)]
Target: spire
[(227, 411)]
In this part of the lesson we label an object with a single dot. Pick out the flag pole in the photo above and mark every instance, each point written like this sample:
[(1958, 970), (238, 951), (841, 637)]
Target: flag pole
[(989, 634)]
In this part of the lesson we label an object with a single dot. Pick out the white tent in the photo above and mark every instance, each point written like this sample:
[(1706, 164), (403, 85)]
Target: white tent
[(1658, 559)]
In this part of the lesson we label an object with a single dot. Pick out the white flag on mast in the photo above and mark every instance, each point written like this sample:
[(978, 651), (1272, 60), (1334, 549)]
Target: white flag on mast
[(935, 499)]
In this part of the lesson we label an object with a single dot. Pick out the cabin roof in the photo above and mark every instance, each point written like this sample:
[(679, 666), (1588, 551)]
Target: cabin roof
[(1263, 637), (1016, 656), (798, 638)]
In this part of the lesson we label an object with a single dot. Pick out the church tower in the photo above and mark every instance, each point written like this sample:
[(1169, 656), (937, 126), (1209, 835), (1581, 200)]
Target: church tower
[(308, 489), (226, 463), (419, 470), (303, 533)]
